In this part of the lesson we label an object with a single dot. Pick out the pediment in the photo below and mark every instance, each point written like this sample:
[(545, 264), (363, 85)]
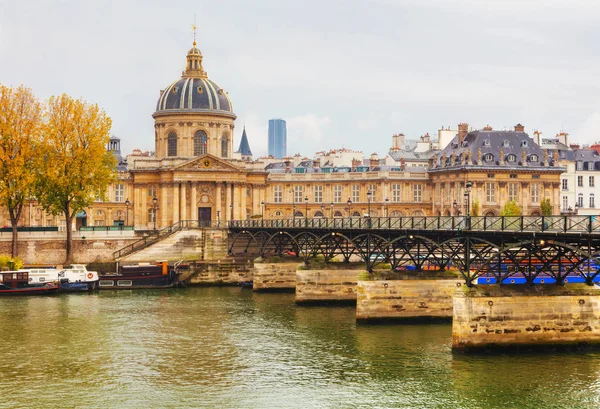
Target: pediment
[(207, 163)]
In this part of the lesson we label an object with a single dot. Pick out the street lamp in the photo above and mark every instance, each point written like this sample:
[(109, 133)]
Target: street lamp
[(294, 211), (331, 213), (386, 206), (231, 211), (262, 209), (306, 208), (454, 205), (218, 217), (323, 210), (576, 209), (369, 194), (349, 207), (127, 204), (154, 207), (468, 197)]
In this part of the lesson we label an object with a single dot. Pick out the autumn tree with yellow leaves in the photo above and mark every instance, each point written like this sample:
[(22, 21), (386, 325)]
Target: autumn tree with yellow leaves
[(20, 122), (77, 167)]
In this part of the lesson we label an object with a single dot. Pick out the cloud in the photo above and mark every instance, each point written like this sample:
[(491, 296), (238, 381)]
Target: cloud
[(307, 133), (589, 131)]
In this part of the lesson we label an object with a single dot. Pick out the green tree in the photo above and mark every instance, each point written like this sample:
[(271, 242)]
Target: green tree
[(546, 207), (20, 121), (475, 208), (77, 165), (511, 209)]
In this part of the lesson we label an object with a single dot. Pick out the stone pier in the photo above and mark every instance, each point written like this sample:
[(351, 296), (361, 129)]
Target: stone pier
[(274, 276), (513, 317), (405, 300), (326, 286)]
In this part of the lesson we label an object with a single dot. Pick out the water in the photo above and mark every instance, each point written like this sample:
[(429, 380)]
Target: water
[(232, 348)]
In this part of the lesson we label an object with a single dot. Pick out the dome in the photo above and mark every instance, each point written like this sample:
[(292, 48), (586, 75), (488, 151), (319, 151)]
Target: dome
[(194, 95), (194, 92)]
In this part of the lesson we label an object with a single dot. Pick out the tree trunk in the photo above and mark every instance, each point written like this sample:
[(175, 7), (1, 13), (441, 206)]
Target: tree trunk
[(69, 222), (15, 215), (15, 241)]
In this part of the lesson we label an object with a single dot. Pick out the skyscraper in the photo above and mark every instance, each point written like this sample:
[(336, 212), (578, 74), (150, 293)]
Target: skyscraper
[(277, 138)]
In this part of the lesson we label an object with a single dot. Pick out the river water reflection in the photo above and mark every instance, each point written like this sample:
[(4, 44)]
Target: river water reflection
[(232, 348)]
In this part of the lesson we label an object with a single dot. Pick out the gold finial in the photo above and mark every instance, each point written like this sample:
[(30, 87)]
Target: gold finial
[(194, 28)]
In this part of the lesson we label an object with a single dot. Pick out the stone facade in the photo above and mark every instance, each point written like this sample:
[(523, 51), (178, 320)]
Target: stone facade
[(514, 316), (405, 299), (274, 276)]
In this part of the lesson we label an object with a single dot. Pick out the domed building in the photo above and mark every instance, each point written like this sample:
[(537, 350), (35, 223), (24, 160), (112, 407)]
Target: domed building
[(193, 174)]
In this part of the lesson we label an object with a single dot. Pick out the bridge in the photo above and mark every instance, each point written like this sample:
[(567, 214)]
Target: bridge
[(501, 249)]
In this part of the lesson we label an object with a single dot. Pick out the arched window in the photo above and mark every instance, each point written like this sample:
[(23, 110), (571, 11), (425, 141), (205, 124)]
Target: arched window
[(200, 141), (224, 145), (337, 214), (396, 213), (318, 214), (355, 214), (488, 157), (172, 144), (533, 158), (511, 158), (298, 214)]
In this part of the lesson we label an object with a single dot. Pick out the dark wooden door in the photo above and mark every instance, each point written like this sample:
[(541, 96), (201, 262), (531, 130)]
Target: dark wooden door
[(204, 216)]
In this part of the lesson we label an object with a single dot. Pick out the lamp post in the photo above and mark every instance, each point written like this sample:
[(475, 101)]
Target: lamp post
[(386, 206), (468, 197), (154, 207), (369, 195), (218, 217), (331, 213), (454, 205), (231, 211), (576, 209), (306, 208), (349, 207), (262, 209), (323, 210), (127, 204)]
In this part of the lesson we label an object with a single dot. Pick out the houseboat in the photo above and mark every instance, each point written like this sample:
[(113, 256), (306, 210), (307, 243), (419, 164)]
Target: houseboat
[(71, 279), (17, 283), (143, 275)]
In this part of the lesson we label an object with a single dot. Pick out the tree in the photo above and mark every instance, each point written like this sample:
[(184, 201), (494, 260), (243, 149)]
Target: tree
[(77, 166), (20, 121), (475, 208), (511, 209), (546, 207)]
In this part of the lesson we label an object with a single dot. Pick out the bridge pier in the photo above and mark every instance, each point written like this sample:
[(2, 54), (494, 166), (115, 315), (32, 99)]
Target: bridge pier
[(524, 317), (327, 285)]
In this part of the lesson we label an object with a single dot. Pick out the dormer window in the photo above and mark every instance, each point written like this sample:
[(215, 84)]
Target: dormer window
[(199, 89), (505, 143), (533, 158), (579, 165), (175, 90), (524, 144), (488, 157), (486, 142), (511, 158)]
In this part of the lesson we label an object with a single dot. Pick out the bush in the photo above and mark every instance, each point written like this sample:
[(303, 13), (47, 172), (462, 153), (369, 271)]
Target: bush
[(10, 263)]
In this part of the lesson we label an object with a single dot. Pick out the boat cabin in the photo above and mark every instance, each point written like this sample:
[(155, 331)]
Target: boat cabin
[(14, 279)]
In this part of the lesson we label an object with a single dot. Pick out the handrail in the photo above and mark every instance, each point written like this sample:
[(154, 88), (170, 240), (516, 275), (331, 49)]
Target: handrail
[(158, 235), (513, 224)]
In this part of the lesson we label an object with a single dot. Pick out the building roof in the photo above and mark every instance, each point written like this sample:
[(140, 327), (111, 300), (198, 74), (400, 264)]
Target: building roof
[(589, 158), (244, 148)]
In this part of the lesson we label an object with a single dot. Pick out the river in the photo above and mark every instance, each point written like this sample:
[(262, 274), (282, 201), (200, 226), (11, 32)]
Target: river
[(232, 348)]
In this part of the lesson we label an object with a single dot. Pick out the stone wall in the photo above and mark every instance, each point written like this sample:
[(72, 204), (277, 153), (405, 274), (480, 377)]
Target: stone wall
[(274, 276), (220, 273), (334, 285), (405, 299), (517, 316)]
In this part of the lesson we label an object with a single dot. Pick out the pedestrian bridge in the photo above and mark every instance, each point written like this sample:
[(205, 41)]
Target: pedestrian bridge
[(498, 249)]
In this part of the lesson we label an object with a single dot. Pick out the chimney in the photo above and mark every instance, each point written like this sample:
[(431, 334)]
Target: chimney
[(574, 146), (316, 164), (355, 163), (288, 164), (373, 161), (488, 128), (519, 128), (537, 137), (398, 140), (403, 164), (463, 130)]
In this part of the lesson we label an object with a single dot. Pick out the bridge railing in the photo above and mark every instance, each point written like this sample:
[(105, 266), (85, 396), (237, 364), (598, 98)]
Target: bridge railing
[(559, 224)]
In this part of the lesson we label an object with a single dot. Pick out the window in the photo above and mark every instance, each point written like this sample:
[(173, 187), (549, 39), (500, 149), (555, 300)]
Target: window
[(151, 215), (277, 194), (200, 142), (356, 193), (533, 158), (535, 193), (580, 200), (505, 143), (337, 194), (172, 144), (513, 191), (565, 203), (565, 184), (417, 193), (318, 194), (486, 142), (490, 192), (511, 158), (592, 204), (396, 193), (579, 181), (488, 157), (224, 146), (524, 144), (490, 175), (152, 190), (373, 189), (297, 194), (119, 192), (591, 181), (579, 165), (513, 176), (535, 176)]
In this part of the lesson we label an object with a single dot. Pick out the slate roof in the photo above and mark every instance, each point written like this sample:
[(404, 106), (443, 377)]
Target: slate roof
[(244, 148), (589, 157)]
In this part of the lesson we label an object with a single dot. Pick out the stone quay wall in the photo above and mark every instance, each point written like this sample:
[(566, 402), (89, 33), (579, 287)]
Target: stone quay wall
[(274, 276), (225, 272), (315, 286), (405, 299), (517, 316)]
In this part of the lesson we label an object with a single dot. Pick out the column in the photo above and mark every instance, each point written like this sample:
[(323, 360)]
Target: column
[(255, 200), (142, 207), (175, 203), (183, 202), (237, 201), (194, 202), (138, 214), (244, 189), (164, 206), (227, 201), (218, 207)]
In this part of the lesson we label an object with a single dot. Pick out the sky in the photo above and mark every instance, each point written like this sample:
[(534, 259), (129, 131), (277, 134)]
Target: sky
[(342, 73)]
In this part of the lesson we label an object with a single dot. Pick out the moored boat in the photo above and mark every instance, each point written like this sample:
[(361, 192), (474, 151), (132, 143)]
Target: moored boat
[(17, 283), (75, 278), (144, 275)]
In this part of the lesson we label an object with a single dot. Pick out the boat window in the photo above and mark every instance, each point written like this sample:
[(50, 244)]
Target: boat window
[(124, 283), (42, 279), (106, 283)]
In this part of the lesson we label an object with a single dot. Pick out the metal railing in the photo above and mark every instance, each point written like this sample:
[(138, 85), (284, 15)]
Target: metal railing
[(158, 235), (525, 224), (105, 228)]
